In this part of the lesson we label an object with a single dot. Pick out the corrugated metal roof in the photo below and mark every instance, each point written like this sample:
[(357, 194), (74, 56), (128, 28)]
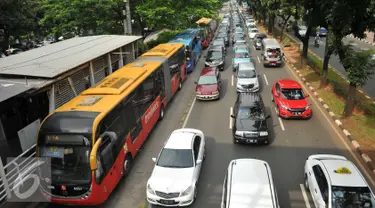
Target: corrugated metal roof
[(54, 59), (11, 89)]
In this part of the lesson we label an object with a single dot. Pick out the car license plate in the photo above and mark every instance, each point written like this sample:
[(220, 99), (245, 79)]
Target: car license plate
[(297, 113), (251, 141), (167, 201)]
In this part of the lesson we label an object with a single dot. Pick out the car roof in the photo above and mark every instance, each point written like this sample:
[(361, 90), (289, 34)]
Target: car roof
[(246, 66), (289, 83), (249, 99), (354, 179), (180, 140), (251, 184)]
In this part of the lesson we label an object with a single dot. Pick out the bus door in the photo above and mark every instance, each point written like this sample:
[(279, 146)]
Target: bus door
[(167, 79), (106, 164)]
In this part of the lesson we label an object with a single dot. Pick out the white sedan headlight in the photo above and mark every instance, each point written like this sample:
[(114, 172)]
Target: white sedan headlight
[(263, 133), (149, 189), (188, 191), (239, 133)]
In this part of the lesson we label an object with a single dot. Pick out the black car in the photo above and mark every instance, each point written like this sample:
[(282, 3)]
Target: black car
[(225, 36), (250, 120), (219, 42), (215, 58)]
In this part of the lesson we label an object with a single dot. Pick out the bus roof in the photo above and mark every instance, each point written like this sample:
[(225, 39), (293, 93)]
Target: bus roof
[(114, 88), (165, 50)]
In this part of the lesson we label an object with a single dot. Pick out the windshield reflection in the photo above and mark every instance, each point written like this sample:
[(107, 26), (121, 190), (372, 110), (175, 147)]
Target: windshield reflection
[(293, 94), (175, 158), (352, 197)]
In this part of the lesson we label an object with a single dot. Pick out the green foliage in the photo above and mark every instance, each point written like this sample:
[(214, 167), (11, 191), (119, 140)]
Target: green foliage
[(361, 66), (176, 14), (18, 16), (163, 37), (82, 16)]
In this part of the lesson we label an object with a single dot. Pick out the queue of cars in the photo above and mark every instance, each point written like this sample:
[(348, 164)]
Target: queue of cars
[(333, 181)]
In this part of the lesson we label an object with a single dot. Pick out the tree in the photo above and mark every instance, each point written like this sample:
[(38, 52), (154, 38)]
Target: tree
[(288, 8), (360, 68), (174, 14), (17, 18), (312, 15), (351, 17), (79, 17)]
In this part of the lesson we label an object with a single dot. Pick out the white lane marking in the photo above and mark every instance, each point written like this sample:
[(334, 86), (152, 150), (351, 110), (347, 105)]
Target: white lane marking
[(334, 127), (258, 59), (254, 47), (305, 198), (232, 79), (265, 79), (189, 112), (230, 117), (281, 121)]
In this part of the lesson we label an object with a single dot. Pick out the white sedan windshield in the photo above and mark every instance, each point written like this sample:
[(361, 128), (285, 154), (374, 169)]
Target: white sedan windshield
[(352, 197), (175, 158)]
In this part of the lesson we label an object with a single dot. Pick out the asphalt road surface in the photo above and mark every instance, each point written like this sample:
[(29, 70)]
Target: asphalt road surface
[(292, 142), (334, 61)]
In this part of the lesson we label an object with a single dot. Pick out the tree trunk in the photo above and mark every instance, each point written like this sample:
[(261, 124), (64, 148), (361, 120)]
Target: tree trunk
[(270, 24), (305, 40), (283, 27), (350, 101), (324, 75)]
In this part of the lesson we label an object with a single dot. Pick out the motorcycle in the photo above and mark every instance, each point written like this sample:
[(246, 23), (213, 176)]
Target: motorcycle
[(316, 43)]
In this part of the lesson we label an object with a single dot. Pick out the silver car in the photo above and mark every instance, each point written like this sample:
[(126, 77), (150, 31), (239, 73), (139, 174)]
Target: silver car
[(247, 78)]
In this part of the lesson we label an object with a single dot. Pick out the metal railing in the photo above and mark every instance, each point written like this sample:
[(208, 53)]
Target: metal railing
[(15, 172)]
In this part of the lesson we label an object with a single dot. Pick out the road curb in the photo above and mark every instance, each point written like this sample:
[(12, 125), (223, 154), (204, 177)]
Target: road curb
[(347, 134)]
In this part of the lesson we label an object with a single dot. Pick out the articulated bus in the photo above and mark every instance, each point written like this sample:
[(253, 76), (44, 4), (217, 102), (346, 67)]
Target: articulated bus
[(172, 57), (92, 140), (192, 38)]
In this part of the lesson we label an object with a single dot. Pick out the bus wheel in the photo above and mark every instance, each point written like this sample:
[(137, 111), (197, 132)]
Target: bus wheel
[(180, 85), (127, 165), (161, 116)]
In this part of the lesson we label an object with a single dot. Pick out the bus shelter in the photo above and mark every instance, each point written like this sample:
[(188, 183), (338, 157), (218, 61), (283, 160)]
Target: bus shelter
[(209, 26)]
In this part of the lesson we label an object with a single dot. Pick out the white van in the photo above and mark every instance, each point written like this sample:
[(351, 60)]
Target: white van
[(248, 183), (272, 54)]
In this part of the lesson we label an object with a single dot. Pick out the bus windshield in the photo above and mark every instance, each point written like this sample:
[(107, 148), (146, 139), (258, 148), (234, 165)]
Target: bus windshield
[(68, 157)]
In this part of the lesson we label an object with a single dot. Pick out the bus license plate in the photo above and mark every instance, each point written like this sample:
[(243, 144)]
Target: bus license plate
[(167, 201)]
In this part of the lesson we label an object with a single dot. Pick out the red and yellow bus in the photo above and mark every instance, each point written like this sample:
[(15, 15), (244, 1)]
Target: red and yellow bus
[(92, 140), (172, 57)]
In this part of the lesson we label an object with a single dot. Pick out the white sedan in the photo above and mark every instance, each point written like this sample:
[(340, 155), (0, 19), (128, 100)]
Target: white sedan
[(173, 181), (335, 182), (253, 32)]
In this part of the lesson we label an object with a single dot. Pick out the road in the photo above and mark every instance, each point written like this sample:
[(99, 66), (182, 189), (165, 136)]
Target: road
[(292, 142), (369, 88)]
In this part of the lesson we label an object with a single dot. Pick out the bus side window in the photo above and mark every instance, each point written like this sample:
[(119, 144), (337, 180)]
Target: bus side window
[(115, 122), (128, 112)]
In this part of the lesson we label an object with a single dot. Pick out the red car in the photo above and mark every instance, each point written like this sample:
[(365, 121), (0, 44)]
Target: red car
[(290, 100), (208, 84)]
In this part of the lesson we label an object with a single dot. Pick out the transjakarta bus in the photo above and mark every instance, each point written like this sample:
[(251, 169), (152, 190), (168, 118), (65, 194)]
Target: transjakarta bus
[(192, 38), (92, 140), (172, 57)]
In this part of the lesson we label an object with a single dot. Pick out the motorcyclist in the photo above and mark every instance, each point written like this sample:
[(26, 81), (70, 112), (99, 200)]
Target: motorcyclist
[(317, 39)]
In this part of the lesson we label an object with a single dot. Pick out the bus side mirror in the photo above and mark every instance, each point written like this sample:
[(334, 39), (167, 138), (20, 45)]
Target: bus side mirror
[(93, 154), (111, 134)]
